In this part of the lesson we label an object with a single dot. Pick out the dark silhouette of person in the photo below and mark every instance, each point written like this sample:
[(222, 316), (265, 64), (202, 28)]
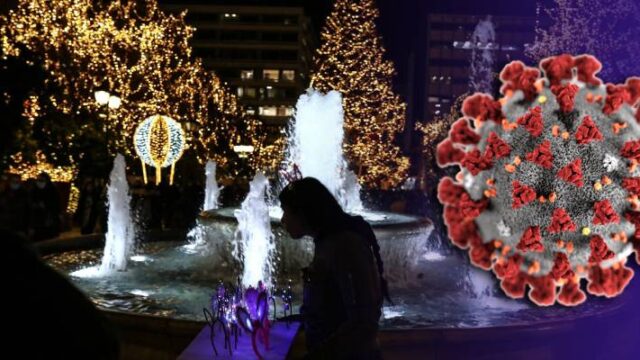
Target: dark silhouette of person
[(344, 284), (47, 317), (14, 206), (45, 209)]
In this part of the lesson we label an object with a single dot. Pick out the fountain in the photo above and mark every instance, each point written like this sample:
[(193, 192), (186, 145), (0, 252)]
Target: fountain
[(315, 147), (212, 191), (436, 294), (253, 243), (120, 236), (483, 42)]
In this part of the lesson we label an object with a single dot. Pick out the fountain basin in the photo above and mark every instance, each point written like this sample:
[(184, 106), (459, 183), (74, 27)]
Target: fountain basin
[(436, 317)]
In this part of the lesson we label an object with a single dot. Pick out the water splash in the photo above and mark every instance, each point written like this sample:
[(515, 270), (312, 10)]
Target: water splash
[(482, 44), (212, 191), (120, 237), (254, 241), (315, 145)]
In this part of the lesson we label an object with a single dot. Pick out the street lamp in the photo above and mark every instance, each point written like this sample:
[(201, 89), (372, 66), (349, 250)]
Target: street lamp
[(110, 102), (243, 151)]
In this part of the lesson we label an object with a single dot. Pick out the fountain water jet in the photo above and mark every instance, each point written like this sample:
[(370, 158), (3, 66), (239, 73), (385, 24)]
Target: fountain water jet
[(315, 146), (253, 243), (120, 237)]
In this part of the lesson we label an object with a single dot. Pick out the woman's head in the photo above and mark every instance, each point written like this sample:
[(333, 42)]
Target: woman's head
[(309, 208)]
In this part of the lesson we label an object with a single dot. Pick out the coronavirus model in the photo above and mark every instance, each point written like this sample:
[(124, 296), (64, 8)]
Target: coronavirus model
[(548, 191)]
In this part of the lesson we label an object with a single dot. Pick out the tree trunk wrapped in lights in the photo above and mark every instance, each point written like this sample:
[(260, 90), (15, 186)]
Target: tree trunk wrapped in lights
[(350, 60)]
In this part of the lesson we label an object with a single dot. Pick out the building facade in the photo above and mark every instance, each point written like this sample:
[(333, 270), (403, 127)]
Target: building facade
[(262, 53), (451, 45)]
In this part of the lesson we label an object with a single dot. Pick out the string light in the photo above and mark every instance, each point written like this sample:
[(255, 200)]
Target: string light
[(350, 60), (159, 142), (134, 50), (74, 197), (29, 170)]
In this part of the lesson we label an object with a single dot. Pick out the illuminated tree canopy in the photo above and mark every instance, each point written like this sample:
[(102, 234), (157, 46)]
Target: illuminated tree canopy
[(351, 61)]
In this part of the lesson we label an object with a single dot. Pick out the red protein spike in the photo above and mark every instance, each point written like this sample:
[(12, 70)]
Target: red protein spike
[(514, 286), (605, 213), (532, 121), (565, 95), (587, 131), (631, 150), (570, 294), (633, 87), (558, 68), (632, 185), (470, 208), (475, 162), (461, 133), (516, 76), (449, 192), (521, 194), (599, 250), (561, 267), (508, 268), (482, 107), (542, 155), (560, 221), (543, 291), (588, 66), (609, 282), (496, 147), (572, 173), (447, 153), (616, 96), (530, 240), (480, 255)]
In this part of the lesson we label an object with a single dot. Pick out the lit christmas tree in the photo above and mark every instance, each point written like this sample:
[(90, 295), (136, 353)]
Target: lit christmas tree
[(130, 49), (351, 61)]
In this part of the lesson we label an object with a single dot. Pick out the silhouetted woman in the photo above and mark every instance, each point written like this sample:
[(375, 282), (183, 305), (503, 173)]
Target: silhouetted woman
[(343, 285)]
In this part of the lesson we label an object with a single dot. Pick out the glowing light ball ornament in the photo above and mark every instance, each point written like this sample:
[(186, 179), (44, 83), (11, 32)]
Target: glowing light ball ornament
[(159, 141), (549, 187)]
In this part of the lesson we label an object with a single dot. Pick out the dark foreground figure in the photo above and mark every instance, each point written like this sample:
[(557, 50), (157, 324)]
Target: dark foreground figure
[(46, 317), (343, 285)]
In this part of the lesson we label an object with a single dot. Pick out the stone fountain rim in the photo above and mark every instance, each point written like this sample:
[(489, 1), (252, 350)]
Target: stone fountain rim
[(417, 222)]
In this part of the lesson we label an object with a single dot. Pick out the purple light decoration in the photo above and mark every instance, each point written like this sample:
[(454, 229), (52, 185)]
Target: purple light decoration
[(254, 316)]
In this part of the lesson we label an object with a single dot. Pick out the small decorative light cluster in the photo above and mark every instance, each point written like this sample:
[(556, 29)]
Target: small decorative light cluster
[(26, 170), (549, 187), (350, 60), (74, 197), (159, 142)]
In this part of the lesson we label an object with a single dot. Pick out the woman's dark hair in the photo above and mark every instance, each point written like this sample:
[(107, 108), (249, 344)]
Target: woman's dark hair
[(310, 199)]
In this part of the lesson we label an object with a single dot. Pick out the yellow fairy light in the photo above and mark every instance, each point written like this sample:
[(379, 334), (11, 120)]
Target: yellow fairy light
[(28, 170), (351, 61), (129, 48), (74, 197), (159, 142)]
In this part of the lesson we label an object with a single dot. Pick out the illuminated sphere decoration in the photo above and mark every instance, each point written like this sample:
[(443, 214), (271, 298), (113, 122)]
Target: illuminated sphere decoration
[(159, 141)]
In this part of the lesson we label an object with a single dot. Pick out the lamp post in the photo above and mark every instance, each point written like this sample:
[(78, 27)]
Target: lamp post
[(111, 102)]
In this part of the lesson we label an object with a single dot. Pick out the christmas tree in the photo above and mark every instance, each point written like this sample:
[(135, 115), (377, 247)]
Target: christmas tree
[(351, 61)]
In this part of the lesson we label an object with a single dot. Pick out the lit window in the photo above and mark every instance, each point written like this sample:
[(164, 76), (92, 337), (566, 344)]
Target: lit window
[(285, 111), (268, 111), (251, 111), (271, 92), (240, 91), (270, 74), (288, 75), (246, 74), (250, 92)]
